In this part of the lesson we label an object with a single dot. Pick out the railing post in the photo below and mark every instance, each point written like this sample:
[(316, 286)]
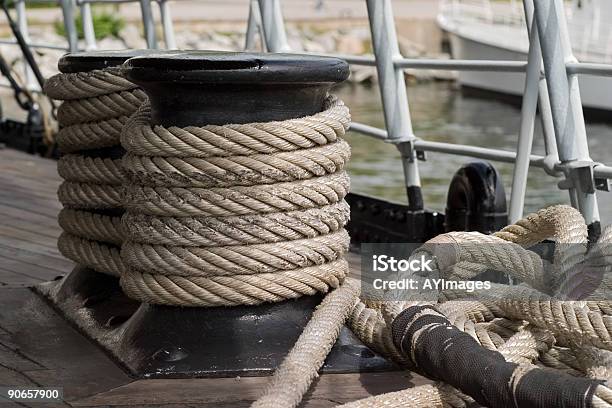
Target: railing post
[(273, 26), (535, 87), (168, 27), (394, 95), (22, 24), (88, 26), (69, 25), (254, 26), (148, 23), (525, 136), (566, 107), (548, 128)]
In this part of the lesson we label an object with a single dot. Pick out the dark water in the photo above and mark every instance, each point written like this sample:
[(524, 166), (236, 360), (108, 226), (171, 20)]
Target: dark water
[(440, 112)]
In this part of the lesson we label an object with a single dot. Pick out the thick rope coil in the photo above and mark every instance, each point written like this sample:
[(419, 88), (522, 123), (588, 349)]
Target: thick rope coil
[(526, 345), (93, 226), (92, 135), (239, 200), (238, 170), (562, 223), (571, 320), (95, 108), (520, 346), (236, 230), (597, 276), (322, 128), (236, 260), (90, 84), (97, 170), (251, 213), (602, 397), (596, 363), (98, 256), (519, 343), (488, 251), (233, 290), (553, 357), (560, 359), (370, 327), (99, 108), (90, 196), (559, 222)]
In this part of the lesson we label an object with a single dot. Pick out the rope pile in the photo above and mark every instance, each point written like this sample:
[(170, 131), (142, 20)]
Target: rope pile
[(237, 214), (242, 214), (510, 346), (96, 105)]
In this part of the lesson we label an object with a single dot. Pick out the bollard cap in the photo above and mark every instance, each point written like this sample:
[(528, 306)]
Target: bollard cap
[(88, 61), (236, 67), (196, 88)]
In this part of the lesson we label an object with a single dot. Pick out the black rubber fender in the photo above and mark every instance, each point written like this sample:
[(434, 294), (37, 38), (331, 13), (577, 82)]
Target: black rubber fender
[(476, 199)]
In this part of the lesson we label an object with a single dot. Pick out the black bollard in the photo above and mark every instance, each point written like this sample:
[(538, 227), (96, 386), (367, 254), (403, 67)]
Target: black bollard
[(203, 88), (199, 88)]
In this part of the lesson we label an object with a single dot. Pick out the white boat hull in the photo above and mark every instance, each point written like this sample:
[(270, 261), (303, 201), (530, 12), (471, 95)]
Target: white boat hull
[(596, 91)]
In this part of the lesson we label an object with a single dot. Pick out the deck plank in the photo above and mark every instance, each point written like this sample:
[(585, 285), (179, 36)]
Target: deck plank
[(11, 279), (51, 231), (329, 388), (57, 354), (23, 255), (28, 220), (26, 217), (20, 234)]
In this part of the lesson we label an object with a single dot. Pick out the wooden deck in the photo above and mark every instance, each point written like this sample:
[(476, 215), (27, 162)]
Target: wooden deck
[(28, 220), (38, 348)]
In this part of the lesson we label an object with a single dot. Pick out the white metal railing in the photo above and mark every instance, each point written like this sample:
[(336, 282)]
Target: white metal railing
[(551, 84), (147, 18), (72, 43)]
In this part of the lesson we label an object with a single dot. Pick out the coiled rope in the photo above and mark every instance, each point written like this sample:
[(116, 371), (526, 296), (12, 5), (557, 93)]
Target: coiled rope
[(91, 135), (235, 214), (237, 140), (82, 85), (96, 105), (245, 214), (526, 326)]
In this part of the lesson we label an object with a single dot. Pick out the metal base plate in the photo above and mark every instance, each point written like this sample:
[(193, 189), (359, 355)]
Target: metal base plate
[(161, 341)]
